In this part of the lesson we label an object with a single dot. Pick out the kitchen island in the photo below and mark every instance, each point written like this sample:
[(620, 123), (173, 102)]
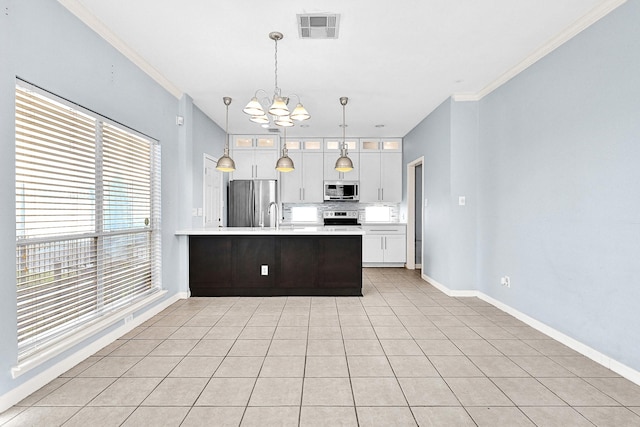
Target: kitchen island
[(289, 261)]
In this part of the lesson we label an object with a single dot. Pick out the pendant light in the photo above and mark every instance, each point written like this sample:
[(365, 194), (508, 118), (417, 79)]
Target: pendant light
[(277, 105), (344, 163), (226, 163), (284, 163)]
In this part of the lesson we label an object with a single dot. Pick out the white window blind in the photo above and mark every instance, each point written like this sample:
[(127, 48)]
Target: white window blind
[(87, 218)]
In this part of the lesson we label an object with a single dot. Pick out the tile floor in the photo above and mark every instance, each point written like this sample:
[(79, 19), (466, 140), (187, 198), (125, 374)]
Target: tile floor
[(403, 355)]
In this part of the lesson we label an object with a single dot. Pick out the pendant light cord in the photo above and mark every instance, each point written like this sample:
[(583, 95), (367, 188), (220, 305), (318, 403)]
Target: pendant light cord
[(226, 131), (344, 132), (277, 91)]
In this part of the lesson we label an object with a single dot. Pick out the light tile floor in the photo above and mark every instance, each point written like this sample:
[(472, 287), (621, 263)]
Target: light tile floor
[(403, 355)]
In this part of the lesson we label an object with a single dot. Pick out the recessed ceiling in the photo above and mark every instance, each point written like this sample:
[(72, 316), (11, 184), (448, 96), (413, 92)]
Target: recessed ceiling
[(396, 61)]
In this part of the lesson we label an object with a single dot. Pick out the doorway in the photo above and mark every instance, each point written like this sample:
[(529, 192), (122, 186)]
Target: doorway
[(212, 197), (415, 213)]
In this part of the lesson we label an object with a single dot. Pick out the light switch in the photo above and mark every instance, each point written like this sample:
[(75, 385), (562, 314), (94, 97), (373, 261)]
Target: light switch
[(264, 270), (199, 211), (462, 200)]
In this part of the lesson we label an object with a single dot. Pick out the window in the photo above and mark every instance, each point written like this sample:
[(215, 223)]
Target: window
[(87, 218)]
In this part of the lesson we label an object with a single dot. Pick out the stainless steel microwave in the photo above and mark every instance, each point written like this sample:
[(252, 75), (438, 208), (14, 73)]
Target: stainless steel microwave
[(341, 190)]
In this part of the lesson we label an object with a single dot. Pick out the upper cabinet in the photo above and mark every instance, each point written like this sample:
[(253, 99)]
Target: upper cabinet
[(332, 152), (304, 183), (380, 176), (250, 142), (255, 156), (387, 145), (381, 180)]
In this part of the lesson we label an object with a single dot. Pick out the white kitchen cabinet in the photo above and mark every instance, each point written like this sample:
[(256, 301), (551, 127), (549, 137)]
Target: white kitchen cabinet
[(305, 183), (255, 156), (331, 154), (255, 164), (381, 179), (384, 245)]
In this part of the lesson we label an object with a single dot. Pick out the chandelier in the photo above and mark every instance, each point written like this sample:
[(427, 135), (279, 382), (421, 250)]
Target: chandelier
[(276, 106)]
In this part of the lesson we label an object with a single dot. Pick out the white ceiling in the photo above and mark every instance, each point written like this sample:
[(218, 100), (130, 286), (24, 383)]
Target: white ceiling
[(396, 61)]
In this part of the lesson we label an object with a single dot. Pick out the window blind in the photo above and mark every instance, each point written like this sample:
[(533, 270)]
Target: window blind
[(87, 218)]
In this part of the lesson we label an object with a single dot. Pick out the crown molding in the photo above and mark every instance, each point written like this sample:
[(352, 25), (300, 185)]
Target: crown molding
[(82, 13), (581, 24)]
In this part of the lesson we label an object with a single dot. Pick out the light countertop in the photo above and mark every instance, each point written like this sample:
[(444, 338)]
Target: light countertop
[(282, 231)]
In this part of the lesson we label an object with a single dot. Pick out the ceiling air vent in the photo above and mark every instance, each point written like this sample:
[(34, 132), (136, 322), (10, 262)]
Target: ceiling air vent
[(318, 26)]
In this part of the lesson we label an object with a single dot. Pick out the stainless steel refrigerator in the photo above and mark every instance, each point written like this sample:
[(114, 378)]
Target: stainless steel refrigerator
[(249, 203)]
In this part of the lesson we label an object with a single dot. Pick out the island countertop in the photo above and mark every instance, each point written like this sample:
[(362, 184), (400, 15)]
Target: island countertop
[(286, 230)]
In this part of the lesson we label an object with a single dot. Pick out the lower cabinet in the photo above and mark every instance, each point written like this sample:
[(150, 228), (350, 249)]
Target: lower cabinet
[(384, 245), (232, 265)]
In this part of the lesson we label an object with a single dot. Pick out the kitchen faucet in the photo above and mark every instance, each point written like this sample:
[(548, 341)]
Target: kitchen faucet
[(277, 213)]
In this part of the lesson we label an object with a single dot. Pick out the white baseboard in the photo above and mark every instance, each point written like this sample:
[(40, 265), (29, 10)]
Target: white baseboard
[(602, 359), (14, 396)]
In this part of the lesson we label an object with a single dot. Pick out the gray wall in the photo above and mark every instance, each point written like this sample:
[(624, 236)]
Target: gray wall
[(208, 138), (432, 139), (448, 140), (559, 185), (551, 178), (47, 46)]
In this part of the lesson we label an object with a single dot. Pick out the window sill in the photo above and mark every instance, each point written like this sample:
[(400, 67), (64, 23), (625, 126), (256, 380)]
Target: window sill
[(88, 331)]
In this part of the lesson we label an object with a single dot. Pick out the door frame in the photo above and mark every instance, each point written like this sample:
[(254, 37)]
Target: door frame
[(411, 212)]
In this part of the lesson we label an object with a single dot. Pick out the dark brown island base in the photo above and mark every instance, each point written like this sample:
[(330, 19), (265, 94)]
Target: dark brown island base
[(277, 264)]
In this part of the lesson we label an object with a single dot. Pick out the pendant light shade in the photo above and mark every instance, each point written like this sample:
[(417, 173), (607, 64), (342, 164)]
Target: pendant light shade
[(283, 121), (254, 108), (279, 107), (344, 163), (260, 119), (284, 163), (300, 113), (226, 163)]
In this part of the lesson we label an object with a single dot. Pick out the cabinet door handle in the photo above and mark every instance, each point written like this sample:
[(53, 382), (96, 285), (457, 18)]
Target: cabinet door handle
[(382, 194)]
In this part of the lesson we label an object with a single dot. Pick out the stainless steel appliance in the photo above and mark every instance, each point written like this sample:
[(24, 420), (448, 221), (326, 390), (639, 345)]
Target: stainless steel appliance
[(341, 190), (340, 217), (252, 203)]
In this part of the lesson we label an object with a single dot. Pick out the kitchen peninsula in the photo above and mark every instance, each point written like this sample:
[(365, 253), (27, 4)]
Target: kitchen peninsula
[(289, 261)]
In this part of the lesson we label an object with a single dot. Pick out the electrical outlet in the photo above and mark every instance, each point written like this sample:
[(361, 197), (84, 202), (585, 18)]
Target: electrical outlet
[(128, 319), (264, 270), (505, 281)]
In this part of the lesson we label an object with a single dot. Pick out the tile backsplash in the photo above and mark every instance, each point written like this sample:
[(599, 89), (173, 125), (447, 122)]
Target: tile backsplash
[(394, 209)]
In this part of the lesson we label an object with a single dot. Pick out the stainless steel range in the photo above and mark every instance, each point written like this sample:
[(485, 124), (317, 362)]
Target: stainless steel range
[(340, 217)]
